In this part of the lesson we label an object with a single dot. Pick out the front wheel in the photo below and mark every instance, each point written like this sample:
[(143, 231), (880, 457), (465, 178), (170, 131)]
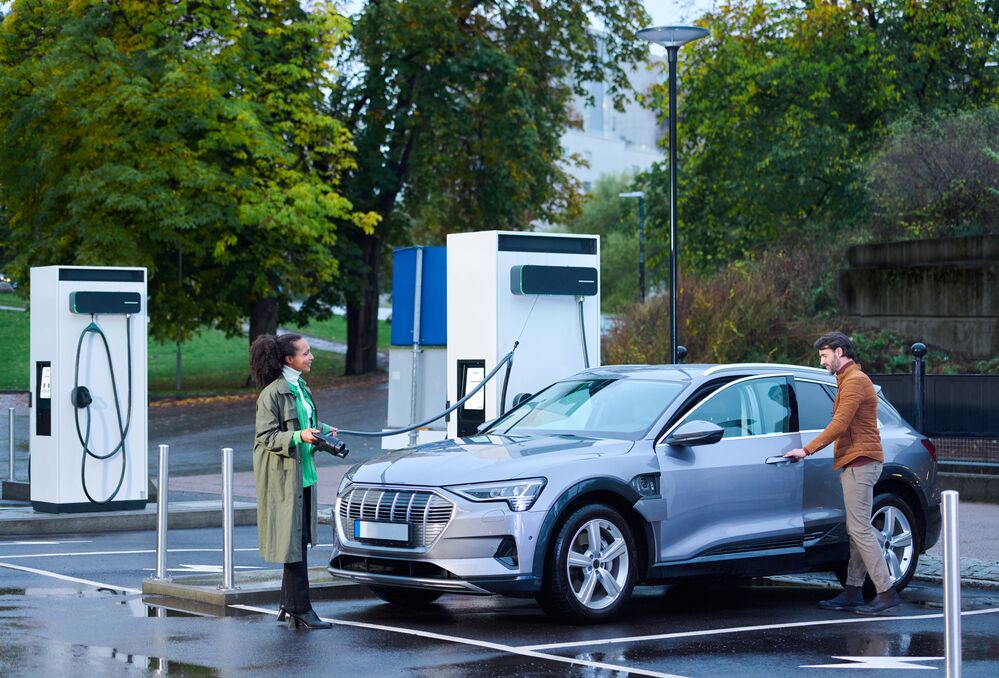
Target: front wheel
[(405, 597), (900, 541), (591, 566)]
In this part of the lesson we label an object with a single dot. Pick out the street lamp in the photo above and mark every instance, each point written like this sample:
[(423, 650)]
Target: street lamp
[(641, 237), (672, 38)]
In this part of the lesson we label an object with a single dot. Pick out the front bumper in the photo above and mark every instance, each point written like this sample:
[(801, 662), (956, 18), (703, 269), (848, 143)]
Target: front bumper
[(484, 548)]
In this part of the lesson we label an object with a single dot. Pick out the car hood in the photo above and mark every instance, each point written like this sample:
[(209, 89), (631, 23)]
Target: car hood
[(484, 458)]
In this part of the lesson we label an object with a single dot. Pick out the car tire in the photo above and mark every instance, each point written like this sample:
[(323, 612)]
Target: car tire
[(582, 585), (405, 597), (906, 541)]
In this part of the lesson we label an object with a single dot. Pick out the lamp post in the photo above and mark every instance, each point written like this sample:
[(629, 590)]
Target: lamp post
[(641, 238), (672, 38)]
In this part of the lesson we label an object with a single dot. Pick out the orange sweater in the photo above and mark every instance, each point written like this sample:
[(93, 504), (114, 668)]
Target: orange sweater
[(854, 425)]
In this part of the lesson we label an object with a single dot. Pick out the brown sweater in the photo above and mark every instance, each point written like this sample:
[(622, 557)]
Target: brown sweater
[(854, 425)]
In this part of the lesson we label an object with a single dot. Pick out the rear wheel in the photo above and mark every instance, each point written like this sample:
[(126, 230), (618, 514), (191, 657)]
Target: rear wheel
[(900, 541), (591, 567), (406, 597)]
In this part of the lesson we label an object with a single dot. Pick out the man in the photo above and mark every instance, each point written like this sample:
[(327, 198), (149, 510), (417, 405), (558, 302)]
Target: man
[(858, 453)]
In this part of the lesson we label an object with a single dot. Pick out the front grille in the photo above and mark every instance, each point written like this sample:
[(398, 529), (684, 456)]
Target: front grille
[(426, 513)]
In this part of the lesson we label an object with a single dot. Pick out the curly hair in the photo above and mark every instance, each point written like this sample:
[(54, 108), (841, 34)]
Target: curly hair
[(267, 354)]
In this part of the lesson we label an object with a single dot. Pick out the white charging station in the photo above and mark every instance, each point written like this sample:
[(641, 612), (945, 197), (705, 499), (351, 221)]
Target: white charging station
[(75, 403), (540, 289)]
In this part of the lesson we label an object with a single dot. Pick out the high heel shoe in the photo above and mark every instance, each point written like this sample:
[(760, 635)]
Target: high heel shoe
[(306, 620), (282, 614)]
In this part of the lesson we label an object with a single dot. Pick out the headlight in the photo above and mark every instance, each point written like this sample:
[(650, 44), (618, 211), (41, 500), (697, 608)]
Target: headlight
[(347, 479), (520, 495)]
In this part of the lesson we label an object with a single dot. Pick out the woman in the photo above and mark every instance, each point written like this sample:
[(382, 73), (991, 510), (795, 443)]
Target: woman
[(284, 470)]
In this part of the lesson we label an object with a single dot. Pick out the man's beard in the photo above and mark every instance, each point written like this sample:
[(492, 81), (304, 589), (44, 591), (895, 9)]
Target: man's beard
[(834, 366)]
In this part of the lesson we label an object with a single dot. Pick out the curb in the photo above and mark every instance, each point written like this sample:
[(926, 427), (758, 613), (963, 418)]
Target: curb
[(21, 521)]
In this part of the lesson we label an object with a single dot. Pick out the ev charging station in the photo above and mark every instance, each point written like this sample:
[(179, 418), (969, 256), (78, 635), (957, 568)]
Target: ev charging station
[(88, 389), (539, 289)]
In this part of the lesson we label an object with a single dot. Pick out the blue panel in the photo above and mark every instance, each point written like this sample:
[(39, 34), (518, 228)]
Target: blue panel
[(433, 310)]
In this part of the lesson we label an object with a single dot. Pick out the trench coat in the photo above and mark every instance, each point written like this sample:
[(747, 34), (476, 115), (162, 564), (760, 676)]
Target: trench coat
[(277, 471)]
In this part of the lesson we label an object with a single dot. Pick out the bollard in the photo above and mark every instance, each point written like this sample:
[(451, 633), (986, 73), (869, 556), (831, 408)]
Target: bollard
[(10, 441), (162, 504), (952, 585), (919, 382), (227, 521)]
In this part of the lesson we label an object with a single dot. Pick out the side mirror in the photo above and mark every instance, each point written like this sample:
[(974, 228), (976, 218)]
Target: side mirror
[(520, 398), (695, 432)]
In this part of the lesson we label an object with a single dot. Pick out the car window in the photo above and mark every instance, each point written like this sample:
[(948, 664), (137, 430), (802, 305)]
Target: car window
[(747, 408), (814, 406), (618, 408), (775, 410)]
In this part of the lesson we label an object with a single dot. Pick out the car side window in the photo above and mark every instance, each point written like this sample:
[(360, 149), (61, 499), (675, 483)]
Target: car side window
[(747, 408), (814, 406)]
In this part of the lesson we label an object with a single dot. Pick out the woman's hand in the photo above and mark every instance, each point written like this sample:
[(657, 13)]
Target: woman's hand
[(309, 435)]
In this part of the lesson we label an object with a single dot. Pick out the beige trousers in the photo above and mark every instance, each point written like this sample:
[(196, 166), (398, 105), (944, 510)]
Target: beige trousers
[(866, 553)]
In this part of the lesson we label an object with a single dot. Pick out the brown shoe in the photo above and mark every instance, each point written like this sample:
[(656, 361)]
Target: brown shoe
[(885, 603), (850, 598)]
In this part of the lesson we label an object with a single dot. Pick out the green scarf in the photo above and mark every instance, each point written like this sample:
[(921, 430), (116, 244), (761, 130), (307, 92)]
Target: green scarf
[(308, 464)]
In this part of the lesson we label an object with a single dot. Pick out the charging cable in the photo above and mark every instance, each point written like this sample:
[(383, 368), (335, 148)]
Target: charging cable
[(582, 333), (507, 360), (82, 400)]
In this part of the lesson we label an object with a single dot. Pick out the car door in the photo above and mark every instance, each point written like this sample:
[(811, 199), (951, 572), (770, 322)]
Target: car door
[(822, 505), (736, 499)]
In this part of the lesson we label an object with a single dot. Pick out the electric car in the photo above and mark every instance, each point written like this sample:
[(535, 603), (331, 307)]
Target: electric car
[(624, 475)]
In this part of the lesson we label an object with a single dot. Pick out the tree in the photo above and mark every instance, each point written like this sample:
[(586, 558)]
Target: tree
[(785, 104), (134, 133), (457, 110)]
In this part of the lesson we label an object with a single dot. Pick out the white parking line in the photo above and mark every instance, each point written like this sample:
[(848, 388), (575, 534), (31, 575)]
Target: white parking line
[(524, 652), (128, 553), (744, 629), (75, 580)]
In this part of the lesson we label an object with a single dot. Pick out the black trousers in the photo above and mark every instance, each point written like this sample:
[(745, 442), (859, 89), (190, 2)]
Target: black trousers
[(295, 578)]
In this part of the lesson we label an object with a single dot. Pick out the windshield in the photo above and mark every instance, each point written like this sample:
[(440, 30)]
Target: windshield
[(602, 408)]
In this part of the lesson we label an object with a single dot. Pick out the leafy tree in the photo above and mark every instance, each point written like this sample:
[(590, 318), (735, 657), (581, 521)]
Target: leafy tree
[(786, 102), (163, 133), (457, 110), (936, 176)]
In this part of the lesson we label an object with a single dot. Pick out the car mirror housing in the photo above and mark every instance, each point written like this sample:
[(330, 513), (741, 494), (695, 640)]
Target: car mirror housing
[(695, 432)]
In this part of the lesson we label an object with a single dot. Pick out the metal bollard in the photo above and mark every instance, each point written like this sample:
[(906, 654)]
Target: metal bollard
[(227, 521), (952, 585), (919, 382), (162, 504), (10, 441)]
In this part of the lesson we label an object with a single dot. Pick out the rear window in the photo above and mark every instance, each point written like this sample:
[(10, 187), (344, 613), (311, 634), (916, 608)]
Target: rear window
[(814, 406)]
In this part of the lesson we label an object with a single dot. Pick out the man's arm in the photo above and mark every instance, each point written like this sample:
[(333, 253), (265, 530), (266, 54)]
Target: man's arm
[(851, 395)]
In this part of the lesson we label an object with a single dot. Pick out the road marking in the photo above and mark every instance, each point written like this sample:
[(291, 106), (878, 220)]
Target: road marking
[(202, 569), (478, 643), (743, 629), (129, 553), (878, 663), (75, 580), (44, 543)]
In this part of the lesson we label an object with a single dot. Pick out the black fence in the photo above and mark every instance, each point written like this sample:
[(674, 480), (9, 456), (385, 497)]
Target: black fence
[(955, 404)]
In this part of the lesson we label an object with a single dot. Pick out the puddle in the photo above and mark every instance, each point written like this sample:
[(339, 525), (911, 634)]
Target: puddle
[(158, 664)]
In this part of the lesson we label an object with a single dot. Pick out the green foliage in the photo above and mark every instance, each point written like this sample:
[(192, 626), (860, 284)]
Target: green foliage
[(785, 103), (135, 131), (334, 328), (14, 333), (936, 177)]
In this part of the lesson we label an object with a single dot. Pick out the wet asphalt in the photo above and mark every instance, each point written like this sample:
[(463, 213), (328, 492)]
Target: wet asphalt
[(65, 609)]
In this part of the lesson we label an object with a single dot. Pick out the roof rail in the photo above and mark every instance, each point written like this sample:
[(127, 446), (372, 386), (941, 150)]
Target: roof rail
[(742, 366)]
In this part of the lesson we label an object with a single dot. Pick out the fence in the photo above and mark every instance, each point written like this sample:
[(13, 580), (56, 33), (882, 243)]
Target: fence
[(957, 405)]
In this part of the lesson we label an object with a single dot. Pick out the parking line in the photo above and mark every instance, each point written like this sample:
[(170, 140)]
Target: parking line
[(126, 553), (743, 629), (524, 652), (75, 580)]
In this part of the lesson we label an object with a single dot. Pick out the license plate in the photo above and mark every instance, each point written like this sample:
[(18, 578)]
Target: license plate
[(367, 529)]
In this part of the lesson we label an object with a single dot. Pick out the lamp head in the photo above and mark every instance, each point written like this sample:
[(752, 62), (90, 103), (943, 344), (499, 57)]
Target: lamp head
[(672, 36)]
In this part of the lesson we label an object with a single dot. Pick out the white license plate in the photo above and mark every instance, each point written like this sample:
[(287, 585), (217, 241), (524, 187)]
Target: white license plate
[(366, 529)]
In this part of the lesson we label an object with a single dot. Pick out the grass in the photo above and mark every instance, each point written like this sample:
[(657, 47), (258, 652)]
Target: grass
[(211, 363), (335, 329), (8, 299)]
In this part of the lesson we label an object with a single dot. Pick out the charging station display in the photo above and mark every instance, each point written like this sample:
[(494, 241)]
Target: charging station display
[(89, 389)]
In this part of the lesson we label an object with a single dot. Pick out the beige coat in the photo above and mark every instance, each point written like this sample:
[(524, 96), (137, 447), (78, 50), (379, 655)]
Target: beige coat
[(854, 425), (278, 474)]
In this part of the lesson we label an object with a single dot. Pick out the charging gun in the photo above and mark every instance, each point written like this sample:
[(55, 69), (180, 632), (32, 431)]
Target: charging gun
[(328, 443)]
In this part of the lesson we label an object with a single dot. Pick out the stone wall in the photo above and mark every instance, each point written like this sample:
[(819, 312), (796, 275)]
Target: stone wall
[(943, 292)]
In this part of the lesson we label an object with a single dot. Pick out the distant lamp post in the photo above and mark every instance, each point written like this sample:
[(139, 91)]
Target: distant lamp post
[(641, 238), (672, 38)]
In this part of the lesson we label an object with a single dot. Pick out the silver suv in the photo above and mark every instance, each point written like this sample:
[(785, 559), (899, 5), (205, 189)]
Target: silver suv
[(625, 475)]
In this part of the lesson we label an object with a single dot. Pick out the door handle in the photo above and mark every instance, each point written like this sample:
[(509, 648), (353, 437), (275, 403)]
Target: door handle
[(781, 460)]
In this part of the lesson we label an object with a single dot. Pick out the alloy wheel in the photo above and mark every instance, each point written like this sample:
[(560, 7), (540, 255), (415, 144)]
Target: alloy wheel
[(895, 536), (597, 564)]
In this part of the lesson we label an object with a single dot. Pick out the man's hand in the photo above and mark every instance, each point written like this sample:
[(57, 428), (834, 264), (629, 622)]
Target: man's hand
[(797, 454)]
